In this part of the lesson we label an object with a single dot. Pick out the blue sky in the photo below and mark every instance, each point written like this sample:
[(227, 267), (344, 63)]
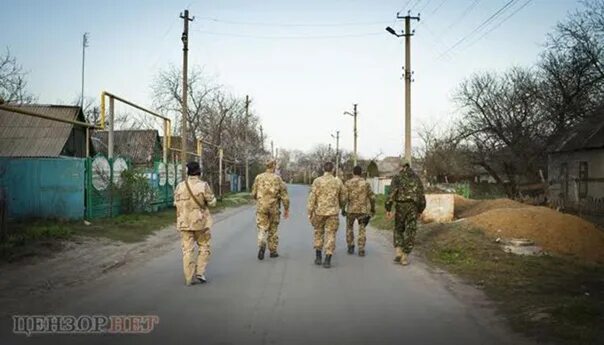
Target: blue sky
[(302, 62)]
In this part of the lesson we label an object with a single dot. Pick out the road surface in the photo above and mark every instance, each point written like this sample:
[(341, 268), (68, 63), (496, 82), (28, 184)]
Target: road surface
[(287, 300)]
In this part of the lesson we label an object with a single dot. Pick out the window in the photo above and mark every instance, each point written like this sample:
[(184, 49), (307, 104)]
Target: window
[(583, 179)]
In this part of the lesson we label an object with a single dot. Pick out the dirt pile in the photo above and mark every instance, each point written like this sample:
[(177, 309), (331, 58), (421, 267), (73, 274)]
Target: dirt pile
[(554, 231), (465, 208)]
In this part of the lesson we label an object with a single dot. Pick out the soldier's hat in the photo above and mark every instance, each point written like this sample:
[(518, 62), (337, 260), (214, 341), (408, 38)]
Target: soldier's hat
[(193, 168)]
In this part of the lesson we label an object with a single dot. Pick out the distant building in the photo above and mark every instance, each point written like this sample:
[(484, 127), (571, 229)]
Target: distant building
[(576, 168), (28, 136), (141, 147), (387, 168)]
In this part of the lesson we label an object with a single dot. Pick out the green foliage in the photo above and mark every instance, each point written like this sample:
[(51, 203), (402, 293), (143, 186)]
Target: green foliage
[(463, 189), (135, 191), (372, 170)]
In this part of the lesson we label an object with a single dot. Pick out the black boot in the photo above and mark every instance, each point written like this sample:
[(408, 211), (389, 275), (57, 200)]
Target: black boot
[(327, 262), (351, 249), (318, 259), (261, 252), (274, 254)]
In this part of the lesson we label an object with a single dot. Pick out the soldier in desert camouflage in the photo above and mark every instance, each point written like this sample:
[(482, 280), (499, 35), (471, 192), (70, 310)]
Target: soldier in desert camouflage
[(327, 197), (192, 197), (407, 196), (270, 192), (360, 207)]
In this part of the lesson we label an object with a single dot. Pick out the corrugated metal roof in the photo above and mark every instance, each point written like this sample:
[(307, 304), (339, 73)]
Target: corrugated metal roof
[(588, 135), (29, 136), (140, 146)]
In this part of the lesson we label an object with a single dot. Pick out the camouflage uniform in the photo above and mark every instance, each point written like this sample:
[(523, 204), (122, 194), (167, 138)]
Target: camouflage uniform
[(360, 199), (327, 197), (194, 224), (407, 195), (269, 191)]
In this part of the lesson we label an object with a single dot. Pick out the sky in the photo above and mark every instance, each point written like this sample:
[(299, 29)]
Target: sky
[(303, 63)]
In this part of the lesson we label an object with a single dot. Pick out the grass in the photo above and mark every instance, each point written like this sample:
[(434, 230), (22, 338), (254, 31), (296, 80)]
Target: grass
[(550, 298), (39, 237), (379, 220)]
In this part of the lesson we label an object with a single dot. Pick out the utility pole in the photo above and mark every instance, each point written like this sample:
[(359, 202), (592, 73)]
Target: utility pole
[(262, 139), (354, 115), (408, 77), (84, 46), (185, 112), (220, 174), (247, 159), (337, 137), (272, 150)]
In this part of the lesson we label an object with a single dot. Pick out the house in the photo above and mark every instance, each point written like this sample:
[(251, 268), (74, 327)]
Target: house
[(42, 163), (576, 168), (28, 136), (141, 147), (387, 168)]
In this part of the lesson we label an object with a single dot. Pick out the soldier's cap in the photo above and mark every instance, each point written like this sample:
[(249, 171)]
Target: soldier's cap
[(271, 163), (405, 162), (193, 168)]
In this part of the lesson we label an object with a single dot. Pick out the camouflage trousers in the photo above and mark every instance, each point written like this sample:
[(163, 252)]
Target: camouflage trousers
[(325, 232), (195, 263), (267, 222), (405, 226), (350, 218)]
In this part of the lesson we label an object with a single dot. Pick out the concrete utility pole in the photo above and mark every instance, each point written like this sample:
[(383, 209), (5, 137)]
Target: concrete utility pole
[(272, 149), (337, 137), (185, 111), (84, 46), (262, 139), (408, 74), (247, 158), (354, 115)]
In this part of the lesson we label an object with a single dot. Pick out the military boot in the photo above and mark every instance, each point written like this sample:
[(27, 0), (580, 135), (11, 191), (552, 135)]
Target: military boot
[(318, 259), (327, 262), (361, 252), (261, 252), (405, 260), (351, 249), (399, 255), (274, 254)]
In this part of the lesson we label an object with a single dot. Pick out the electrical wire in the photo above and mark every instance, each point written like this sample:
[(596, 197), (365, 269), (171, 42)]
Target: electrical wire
[(236, 22), (500, 23), (288, 37), (480, 27)]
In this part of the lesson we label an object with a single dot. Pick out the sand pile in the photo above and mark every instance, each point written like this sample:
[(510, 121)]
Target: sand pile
[(554, 231), (465, 208)]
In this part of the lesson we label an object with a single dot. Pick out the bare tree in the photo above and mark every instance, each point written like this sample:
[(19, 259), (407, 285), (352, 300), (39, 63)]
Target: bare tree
[(13, 86)]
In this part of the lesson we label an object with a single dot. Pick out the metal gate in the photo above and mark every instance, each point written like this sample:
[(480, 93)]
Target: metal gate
[(103, 178)]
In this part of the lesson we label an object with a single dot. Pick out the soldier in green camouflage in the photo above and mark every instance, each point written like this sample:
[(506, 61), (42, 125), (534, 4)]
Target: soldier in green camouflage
[(270, 192), (407, 196), (327, 197), (360, 207)]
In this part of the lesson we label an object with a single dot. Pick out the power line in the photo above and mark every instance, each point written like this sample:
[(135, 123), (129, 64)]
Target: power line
[(289, 37), (424, 7), (479, 27), (464, 14), (236, 22), (500, 23), (438, 7)]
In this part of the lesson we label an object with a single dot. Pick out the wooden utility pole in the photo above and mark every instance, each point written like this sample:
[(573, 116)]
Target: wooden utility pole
[(408, 74), (354, 115), (247, 153), (185, 112)]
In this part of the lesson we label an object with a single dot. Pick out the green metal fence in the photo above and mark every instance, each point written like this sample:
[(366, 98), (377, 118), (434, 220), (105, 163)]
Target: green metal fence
[(103, 180)]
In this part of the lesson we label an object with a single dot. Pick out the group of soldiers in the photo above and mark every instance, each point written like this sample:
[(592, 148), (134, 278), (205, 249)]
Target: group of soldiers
[(329, 197)]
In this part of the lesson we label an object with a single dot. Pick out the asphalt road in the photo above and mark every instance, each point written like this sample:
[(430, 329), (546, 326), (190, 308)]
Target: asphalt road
[(287, 300)]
